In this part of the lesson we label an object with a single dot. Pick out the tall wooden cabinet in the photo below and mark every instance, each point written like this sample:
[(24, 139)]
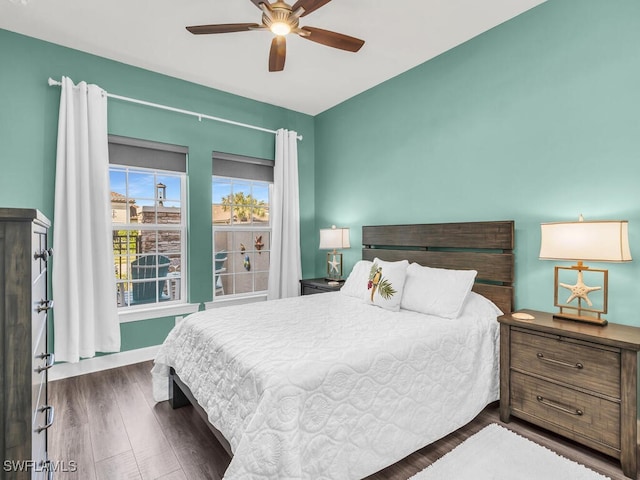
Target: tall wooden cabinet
[(24, 358)]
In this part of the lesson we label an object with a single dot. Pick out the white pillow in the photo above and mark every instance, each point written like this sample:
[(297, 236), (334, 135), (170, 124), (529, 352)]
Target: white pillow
[(477, 305), (385, 283), (356, 282), (436, 291)]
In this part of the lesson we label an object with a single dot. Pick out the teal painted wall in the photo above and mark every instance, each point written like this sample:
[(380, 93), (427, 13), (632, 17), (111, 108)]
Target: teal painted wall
[(28, 129), (536, 120)]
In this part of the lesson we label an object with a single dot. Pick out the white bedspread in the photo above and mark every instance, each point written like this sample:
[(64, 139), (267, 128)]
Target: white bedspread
[(325, 386)]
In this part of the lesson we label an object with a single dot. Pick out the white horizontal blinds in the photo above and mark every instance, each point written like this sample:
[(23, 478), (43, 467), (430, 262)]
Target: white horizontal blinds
[(241, 166), (134, 152)]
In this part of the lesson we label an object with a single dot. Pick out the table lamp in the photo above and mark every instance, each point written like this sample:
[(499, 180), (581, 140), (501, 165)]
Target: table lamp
[(332, 239), (593, 241)]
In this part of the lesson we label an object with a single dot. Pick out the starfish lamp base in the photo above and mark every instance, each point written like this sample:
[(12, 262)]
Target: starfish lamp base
[(581, 318), (334, 267), (578, 307)]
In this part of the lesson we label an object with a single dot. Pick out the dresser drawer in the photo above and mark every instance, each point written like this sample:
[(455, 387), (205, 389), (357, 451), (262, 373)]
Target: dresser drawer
[(587, 415), (39, 253), (43, 418), (311, 289), (39, 334), (38, 376), (38, 313), (591, 367)]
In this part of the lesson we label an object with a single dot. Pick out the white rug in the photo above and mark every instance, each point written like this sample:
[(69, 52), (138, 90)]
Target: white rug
[(495, 453)]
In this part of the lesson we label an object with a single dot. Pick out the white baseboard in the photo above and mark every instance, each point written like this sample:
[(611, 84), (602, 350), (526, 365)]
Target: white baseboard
[(96, 364)]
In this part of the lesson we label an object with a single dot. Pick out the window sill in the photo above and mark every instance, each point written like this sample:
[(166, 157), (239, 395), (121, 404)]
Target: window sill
[(147, 313), (229, 301)]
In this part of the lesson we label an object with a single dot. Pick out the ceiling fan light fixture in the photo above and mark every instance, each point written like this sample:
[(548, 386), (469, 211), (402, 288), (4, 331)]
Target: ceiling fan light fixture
[(280, 28), (280, 18)]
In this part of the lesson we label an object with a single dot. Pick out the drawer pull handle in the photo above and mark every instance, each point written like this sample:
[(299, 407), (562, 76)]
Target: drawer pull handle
[(43, 254), (544, 401), (51, 359), (50, 412), (577, 365), (44, 306)]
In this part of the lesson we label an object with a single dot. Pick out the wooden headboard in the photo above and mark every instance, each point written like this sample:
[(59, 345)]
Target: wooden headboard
[(483, 246)]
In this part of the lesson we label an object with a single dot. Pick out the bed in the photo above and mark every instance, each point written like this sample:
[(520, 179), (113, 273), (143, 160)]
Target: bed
[(336, 386)]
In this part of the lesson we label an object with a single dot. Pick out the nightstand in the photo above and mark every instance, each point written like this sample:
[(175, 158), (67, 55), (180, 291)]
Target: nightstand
[(310, 286), (575, 379)]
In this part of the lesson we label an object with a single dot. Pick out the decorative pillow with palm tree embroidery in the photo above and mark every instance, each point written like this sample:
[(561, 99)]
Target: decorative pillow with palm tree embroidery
[(386, 283)]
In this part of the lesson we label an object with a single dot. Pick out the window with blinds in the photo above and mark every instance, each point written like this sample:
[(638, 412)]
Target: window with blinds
[(240, 217), (148, 214)]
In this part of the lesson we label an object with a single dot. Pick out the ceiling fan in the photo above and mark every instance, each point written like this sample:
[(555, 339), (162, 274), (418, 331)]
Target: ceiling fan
[(281, 19)]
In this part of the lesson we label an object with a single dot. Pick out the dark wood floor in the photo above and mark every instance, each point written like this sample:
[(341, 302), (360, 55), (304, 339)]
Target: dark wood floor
[(109, 424)]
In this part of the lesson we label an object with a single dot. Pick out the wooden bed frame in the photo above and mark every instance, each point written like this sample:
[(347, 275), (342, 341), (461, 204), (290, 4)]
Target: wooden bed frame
[(486, 247)]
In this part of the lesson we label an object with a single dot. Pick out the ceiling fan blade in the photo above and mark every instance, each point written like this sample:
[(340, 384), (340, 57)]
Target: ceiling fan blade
[(258, 2), (309, 5), (222, 28), (278, 53), (333, 39)]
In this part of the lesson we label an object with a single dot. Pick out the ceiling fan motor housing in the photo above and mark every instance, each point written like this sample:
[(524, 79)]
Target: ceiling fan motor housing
[(280, 12)]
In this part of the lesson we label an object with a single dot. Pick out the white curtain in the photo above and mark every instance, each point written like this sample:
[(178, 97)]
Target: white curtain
[(285, 269), (84, 291)]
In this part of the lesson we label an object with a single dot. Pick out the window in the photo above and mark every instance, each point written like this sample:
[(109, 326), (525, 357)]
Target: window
[(241, 198), (148, 211)]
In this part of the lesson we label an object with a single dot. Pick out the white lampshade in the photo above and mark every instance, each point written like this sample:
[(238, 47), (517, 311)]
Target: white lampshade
[(597, 241), (334, 238)]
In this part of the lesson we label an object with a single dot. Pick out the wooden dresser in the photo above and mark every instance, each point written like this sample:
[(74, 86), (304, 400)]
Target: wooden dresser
[(576, 379), (24, 305)]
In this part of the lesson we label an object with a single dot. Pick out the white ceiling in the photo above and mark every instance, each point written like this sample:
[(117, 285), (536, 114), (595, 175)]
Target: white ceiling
[(399, 35)]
